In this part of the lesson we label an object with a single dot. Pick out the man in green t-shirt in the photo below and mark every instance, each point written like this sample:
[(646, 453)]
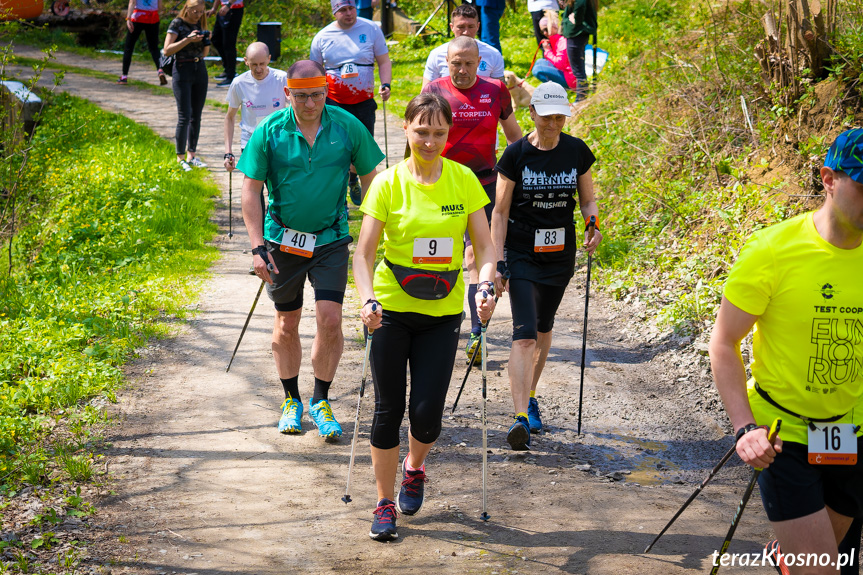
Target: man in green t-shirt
[(800, 284), (303, 153)]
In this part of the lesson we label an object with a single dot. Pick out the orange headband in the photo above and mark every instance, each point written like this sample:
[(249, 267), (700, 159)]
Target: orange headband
[(315, 82)]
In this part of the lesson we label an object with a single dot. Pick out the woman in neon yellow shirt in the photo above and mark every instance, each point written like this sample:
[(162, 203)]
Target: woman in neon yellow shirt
[(422, 206)]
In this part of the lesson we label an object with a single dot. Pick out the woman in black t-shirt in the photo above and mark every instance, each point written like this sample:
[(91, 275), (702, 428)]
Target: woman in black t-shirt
[(188, 40), (541, 179)]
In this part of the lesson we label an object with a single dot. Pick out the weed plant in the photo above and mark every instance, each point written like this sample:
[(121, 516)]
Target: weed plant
[(112, 244)]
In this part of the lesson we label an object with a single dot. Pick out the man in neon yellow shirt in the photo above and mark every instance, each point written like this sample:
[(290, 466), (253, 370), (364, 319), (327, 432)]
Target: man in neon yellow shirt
[(800, 284)]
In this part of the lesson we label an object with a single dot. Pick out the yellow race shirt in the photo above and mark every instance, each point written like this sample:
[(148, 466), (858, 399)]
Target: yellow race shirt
[(808, 340), (413, 211)]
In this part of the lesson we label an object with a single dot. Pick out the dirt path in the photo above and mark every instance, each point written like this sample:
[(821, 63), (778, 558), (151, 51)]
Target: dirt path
[(205, 484)]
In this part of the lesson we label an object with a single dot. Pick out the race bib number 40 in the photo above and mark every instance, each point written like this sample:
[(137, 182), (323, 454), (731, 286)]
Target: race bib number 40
[(298, 243), (551, 240), (832, 444), (349, 70), (432, 250)]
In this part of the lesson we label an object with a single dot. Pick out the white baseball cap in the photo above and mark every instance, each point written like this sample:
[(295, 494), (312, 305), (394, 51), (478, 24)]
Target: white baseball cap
[(550, 98)]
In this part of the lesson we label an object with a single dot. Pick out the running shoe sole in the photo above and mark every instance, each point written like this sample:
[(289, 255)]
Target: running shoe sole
[(518, 437), (384, 537)]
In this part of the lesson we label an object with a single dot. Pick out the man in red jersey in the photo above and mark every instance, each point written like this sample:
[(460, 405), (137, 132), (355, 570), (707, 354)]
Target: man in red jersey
[(478, 105)]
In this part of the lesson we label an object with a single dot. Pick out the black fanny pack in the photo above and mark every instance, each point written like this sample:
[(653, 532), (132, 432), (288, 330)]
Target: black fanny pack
[(424, 284)]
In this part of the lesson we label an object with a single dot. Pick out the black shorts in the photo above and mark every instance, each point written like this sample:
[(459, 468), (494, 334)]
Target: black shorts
[(533, 307), (792, 487), (327, 270), (490, 192), (363, 111)]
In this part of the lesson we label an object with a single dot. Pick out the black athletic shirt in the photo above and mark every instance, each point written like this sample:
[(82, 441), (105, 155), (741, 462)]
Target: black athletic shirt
[(182, 29), (545, 197)]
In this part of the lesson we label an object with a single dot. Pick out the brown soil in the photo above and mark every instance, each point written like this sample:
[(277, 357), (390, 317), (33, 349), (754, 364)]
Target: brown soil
[(205, 484)]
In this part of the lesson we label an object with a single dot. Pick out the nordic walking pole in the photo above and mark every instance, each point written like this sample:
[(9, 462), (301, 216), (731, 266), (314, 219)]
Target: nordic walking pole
[(771, 436), (470, 366), (532, 62), (485, 516), (230, 203), (347, 497), (386, 145), (245, 325), (591, 228), (695, 493)]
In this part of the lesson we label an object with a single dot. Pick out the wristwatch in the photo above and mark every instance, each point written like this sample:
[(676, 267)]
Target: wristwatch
[(489, 287), (744, 430)]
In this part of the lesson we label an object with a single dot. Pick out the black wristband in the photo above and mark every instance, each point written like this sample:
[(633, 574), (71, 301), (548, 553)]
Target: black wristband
[(502, 268), (368, 301), (260, 251), (489, 289), (744, 430), (229, 155), (385, 85)]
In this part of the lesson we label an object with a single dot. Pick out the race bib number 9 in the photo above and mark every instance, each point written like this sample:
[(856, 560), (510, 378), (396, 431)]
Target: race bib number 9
[(832, 444), (298, 243), (432, 250), (349, 70), (550, 240)]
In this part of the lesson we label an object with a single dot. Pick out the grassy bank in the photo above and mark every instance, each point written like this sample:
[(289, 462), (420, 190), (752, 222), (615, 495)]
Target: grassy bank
[(111, 246)]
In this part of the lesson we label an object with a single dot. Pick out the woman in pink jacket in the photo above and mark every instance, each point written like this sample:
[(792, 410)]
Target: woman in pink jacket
[(554, 66)]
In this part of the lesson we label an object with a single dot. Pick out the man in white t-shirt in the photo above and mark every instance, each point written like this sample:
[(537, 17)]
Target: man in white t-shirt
[(256, 93), (464, 22), (348, 50)]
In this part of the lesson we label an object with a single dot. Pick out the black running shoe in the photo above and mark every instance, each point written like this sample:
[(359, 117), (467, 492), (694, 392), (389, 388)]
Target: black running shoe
[(410, 498), (518, 436), (356, 193), (384, 523)]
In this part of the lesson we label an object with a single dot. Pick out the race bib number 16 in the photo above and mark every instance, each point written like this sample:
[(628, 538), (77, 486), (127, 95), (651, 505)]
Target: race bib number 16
[(298, 243), (832, 444)]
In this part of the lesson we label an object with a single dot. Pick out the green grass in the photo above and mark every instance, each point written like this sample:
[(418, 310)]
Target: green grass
[(113, 245)]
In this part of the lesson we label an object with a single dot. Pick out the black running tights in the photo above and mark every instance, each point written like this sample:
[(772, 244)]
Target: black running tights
[(151, 34), (427, 344)]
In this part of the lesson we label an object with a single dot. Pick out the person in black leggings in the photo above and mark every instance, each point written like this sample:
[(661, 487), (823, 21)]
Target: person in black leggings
[(142, 16), (186, 41), (423, 251), (541, 179), (229, 16)]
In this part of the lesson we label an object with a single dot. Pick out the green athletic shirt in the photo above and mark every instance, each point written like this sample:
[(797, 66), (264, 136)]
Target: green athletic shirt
[(808, 340), (307, 186), (412, 210)]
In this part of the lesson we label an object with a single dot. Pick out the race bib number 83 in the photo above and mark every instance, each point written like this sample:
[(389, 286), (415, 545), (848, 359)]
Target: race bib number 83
[(550, 240), (832, 444)]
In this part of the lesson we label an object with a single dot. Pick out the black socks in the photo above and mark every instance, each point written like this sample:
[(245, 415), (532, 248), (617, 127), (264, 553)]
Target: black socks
[(322, 390), (291, 386)]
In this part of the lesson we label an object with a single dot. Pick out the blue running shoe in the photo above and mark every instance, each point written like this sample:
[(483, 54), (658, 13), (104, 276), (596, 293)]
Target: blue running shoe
[(410, 498), (533, 418), (384, 523), (518, 436), (292, 413), (322, 414)]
